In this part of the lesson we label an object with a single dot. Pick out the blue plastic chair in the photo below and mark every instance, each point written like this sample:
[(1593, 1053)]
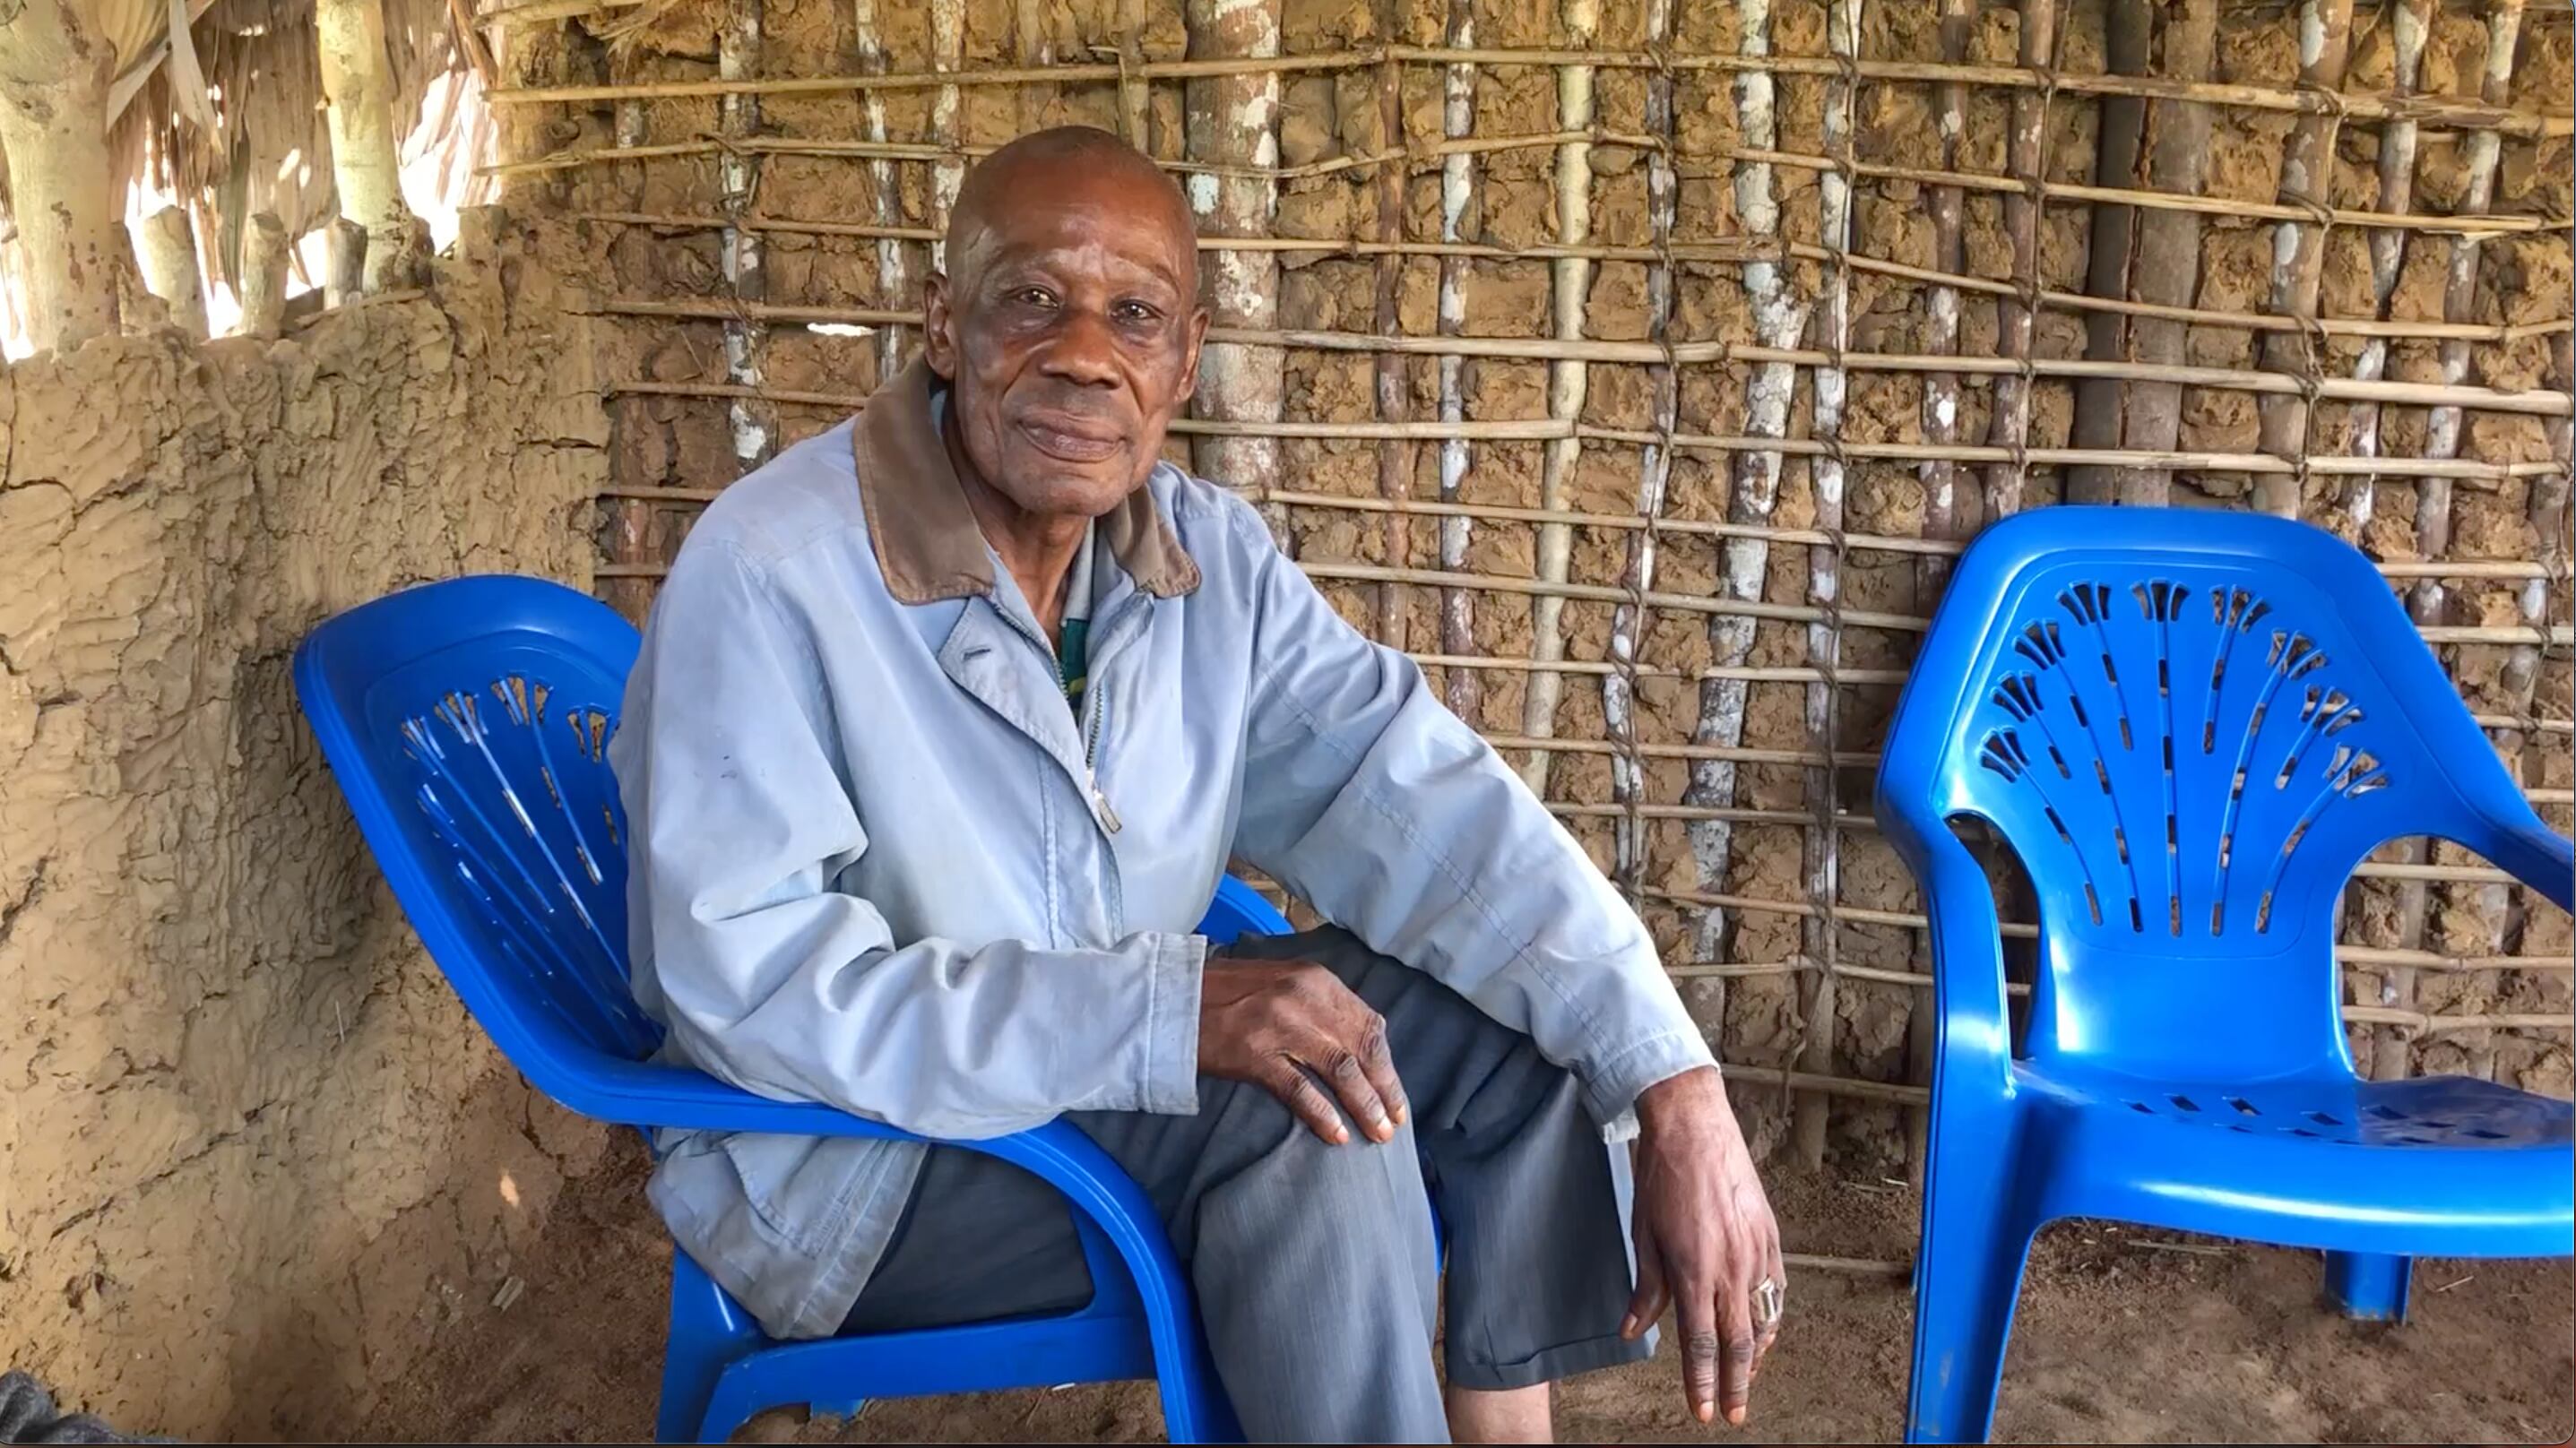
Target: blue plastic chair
[(468, 723), (2190, 726)]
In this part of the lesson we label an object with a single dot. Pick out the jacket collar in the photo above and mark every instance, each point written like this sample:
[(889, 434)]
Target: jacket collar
[(927, 542)]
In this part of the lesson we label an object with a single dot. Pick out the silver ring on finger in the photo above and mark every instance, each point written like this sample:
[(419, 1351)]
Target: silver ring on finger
[(1767, 1303)]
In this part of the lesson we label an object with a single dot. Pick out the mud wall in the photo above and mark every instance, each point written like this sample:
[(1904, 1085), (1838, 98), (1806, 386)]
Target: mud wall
[(1580, 217), (255, 1151)]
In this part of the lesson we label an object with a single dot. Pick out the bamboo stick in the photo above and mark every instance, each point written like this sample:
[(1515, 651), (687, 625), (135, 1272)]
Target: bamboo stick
[(2356, 105), (1426, 154), (1723, 252), (1754, 484), (1944, 520), (1940, 421), (894, 258), (2027, 160), (2539, 402), (54, 74), (263, 289), (1654, 476), (2411, 23), (746, 273), (2298, 247), (1567, 379), (1394, 403), (2428, 601), (1234, 119), (1821, 844), (629, 522), (948, 173), (169, 257), (1457, 191), (2167, 271), (2111, 256)]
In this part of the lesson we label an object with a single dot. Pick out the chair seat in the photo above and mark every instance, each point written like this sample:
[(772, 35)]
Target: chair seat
[(2443, 1165)]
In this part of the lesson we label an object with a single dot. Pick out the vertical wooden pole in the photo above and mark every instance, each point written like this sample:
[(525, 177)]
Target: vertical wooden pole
[(263, 292), (1465, 691), (947, 55), (1823, 853), (1567, 382), (54, 74), (358, 89), (2128, 36), (629, 533), (746, 274), (2167, 270), (2428, 601), (344, 262), (1394, 403), (2027, 158), (1654, 473), (1234, 120), (2298, 249), (1754, 486), (895, 287), (169, 257), (2412, 22)]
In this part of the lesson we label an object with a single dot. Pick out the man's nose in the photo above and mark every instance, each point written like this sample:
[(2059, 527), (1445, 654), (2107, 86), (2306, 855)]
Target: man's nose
[(1084, 350)]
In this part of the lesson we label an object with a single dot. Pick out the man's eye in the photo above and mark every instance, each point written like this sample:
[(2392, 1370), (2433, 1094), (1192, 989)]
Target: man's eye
[(1136, 312), (1033, 297)]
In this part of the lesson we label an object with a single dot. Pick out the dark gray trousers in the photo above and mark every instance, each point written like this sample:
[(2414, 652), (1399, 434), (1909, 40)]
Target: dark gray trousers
[(1312, 1263)]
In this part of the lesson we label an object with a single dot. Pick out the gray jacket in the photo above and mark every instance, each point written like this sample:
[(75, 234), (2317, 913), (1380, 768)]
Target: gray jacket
[(877, 862)]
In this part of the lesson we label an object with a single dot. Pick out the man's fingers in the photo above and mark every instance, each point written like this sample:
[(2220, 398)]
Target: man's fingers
[(1699, 1345), (1309, 1104), (1775, 1269), (1646, 1305), (1734, 1302), (1380, 1066), (1350, 1081)]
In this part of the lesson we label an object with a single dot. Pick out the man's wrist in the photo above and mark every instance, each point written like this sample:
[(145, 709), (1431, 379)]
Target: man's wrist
[(1696, 1089)]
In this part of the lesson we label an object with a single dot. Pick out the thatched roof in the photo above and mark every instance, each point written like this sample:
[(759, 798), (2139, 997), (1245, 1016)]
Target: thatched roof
[(262, 143)]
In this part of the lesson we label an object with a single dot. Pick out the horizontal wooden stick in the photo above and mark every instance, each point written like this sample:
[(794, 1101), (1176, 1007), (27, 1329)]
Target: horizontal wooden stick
[(2445, 112), (2536, 402), (1721, 251), (2360, 955), (1427, 155)]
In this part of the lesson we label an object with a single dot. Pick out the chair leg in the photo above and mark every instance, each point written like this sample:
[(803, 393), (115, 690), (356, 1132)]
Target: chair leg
[(708, 1333), (1966, 1281), (2369, 1286)]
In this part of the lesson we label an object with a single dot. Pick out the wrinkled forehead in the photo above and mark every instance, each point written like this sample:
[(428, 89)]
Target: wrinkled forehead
[(1116, 230)]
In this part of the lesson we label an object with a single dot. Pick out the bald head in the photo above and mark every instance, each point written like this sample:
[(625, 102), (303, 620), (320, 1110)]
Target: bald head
[(1066, 323), (1081, 159)]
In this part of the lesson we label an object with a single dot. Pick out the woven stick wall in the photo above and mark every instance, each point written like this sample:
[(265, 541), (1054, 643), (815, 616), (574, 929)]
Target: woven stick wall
[(1641, 366)]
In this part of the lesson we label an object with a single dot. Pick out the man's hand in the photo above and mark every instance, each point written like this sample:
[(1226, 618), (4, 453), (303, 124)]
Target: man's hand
[(1284, 1025), (1705, 1238)]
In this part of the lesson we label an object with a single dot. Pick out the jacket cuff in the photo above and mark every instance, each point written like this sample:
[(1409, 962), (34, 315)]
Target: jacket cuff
[(1171, 1078), (1612, 1088)]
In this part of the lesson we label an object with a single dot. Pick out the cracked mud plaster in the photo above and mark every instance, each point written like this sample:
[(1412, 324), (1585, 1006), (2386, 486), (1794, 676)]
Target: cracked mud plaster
[(254, 1146)]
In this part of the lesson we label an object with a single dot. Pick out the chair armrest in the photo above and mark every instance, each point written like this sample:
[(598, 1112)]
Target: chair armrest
[(635, 1093), (1974, 1029), (2539, 857)]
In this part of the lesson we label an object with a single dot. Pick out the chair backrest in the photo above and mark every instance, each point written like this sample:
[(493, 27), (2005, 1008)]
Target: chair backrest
[(2190, 726), (468, 725)]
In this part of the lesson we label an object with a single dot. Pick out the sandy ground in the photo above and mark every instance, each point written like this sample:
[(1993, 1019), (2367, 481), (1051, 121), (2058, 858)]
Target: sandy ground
[(2116, 1341)]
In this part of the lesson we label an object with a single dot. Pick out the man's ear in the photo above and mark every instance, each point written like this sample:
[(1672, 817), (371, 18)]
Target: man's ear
[(1196, 338), (938, 340)]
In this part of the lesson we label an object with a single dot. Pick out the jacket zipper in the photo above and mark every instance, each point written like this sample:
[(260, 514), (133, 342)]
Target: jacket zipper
[(1101, 814)]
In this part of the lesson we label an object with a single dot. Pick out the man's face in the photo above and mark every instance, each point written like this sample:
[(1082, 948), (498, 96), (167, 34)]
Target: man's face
[(1069, 331)]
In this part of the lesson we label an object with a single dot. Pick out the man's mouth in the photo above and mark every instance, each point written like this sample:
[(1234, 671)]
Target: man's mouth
[(1073, 439)]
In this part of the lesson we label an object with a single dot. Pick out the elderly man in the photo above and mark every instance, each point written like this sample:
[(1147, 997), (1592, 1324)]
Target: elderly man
[(946, 725)]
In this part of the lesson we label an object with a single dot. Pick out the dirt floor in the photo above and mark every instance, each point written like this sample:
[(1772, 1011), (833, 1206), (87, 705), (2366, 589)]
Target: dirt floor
[(2117, 1341)]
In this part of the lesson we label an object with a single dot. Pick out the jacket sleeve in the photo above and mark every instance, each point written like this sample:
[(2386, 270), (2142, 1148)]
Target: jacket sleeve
[(770, 977), (1369, 799)]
